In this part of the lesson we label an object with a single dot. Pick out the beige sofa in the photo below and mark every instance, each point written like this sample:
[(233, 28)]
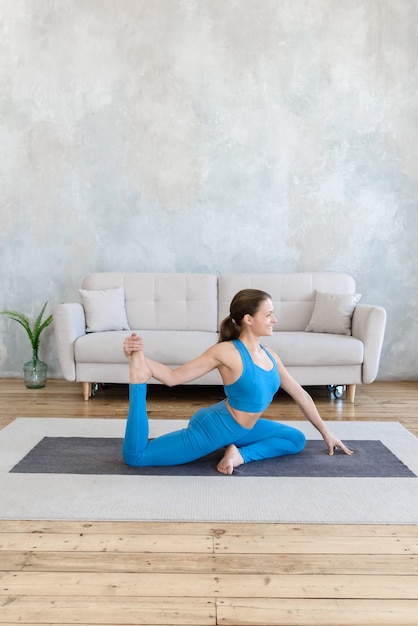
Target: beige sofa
[(323, 335)]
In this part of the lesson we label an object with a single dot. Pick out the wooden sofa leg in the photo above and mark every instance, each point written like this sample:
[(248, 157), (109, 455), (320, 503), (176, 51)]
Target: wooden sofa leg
[(86, 390), (350, 393)]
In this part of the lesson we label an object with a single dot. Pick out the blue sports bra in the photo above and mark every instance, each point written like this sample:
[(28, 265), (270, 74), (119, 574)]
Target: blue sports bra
[(255, 388)]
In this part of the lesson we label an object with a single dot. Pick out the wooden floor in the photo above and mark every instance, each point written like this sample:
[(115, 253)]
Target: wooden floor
[(192, 574)]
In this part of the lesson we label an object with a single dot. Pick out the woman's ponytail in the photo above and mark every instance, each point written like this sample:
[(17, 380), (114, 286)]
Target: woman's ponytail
[(228, 329)]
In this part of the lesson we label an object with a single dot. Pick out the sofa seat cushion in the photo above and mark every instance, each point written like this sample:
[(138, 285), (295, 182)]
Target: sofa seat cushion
[(316, 349), (168, 346), (175, 347)]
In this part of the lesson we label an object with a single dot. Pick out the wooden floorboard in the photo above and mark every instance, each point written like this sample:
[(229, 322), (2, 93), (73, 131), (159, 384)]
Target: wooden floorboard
[(154, 574)]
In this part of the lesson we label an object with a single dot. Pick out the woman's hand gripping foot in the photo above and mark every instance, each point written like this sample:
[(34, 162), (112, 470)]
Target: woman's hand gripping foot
[(231, 459), (133, 347)]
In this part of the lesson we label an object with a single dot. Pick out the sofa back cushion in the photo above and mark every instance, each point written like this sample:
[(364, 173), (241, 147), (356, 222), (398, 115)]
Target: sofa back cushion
[(164, 301), (293, 294)]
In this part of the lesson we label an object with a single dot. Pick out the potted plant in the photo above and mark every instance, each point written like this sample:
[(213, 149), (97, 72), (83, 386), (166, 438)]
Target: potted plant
[(35, 370)]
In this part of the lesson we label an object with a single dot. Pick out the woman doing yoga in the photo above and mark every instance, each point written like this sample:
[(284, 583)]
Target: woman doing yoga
[(251, 375)]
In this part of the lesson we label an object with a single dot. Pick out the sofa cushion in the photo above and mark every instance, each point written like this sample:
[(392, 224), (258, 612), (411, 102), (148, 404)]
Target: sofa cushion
[(104, 309), (164, 301), (292, 293), (170, 347), (171, 301), (315, 349), (175, 347), (332, 313)]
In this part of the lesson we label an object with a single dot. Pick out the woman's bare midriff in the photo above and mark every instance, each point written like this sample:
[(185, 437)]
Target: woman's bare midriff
[(246, 420)]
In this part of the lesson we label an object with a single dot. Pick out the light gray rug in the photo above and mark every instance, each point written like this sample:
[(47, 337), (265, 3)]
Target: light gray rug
[(203, 498)]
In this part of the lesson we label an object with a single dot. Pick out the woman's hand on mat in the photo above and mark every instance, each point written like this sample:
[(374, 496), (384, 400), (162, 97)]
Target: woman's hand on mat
[(132, 344), (334, 443)]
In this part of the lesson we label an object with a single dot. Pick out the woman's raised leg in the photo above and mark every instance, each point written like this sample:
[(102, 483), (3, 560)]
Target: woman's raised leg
[(137, 429)]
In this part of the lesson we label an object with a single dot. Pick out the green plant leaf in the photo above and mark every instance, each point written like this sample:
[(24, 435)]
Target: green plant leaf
[(38, 327)]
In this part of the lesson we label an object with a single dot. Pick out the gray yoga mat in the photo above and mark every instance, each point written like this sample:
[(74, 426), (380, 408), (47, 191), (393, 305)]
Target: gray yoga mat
[(102, 456)]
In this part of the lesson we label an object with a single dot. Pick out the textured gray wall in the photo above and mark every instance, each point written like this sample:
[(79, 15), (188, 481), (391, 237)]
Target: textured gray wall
[(208, 135)]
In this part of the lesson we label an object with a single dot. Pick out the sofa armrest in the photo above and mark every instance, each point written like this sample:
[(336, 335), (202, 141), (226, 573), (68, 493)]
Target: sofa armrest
[(368, 325), (69, 325)]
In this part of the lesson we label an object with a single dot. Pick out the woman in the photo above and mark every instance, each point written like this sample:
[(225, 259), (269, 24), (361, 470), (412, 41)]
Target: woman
[(251, 376)]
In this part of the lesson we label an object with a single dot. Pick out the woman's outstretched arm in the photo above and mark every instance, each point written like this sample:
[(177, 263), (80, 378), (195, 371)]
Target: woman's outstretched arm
[(206, 362), (308, 408)]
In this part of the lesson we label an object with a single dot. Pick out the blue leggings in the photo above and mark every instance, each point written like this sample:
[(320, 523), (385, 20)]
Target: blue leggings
[(209, 429)]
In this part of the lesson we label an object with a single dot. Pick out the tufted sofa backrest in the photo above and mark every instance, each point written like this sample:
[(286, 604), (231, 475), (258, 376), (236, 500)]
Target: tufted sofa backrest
[(292, 293), (164, 301), (181, 301)]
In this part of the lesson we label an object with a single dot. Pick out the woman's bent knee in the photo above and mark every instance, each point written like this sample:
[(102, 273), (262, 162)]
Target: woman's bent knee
[(132, 459), (300, 441)]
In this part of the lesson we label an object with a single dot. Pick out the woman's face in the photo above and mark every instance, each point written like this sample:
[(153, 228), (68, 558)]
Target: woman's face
[(264, 320)]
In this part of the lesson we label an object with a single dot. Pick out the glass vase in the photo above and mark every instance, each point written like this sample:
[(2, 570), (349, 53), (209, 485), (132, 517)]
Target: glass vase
[(35, 372)]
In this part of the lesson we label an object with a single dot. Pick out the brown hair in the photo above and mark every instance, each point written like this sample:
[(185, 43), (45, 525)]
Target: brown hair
[(246, 301)]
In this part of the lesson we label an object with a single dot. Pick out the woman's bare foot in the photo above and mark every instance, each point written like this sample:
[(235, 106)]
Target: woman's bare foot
[(139, 372), (231, 459)]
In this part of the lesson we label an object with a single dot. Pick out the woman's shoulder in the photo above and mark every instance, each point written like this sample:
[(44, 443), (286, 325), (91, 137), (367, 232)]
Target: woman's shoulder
[(227, 345), (227, 356), (224, 350)]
